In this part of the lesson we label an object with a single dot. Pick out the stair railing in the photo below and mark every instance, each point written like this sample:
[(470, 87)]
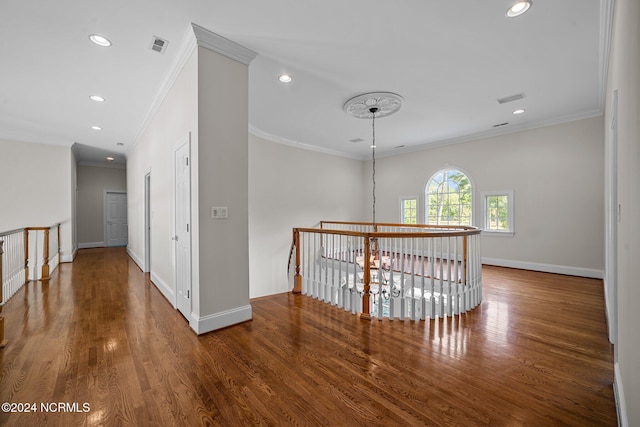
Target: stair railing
[(31, 253), (3, 341), (390, 270)]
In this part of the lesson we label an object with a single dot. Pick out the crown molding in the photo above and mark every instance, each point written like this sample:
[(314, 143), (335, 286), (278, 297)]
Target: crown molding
[(279, 140), (493, 133), (102, 165), (185, 50), (195, 36), (221, 45), (431, 144)]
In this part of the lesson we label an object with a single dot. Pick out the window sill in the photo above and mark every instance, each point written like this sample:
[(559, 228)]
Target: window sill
[(498, 233)]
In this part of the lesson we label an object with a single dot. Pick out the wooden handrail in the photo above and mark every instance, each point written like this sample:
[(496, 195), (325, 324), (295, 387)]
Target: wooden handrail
[(6, 233), (469, 231), (41, 228), (370, 248), (390, 224)]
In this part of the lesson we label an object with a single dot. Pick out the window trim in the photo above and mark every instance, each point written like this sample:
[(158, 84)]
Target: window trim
[(401, 206), (510, 213)]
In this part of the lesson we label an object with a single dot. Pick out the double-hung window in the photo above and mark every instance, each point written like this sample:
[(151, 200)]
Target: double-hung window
[(498, 212), (409, 210)]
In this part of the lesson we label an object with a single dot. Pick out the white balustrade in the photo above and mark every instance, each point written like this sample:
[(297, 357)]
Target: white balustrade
[(13, 271), (29, 254), (417, 272)]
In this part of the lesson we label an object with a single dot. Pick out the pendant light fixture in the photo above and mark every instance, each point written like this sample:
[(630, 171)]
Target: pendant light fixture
[(371, 106)]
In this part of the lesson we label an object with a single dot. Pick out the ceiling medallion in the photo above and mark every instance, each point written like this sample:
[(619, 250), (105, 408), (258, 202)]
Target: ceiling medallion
[(364, 106)]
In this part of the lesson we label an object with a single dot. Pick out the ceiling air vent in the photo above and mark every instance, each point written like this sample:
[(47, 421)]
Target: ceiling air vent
[(356, 140), (500, 124), (159, 45), (511, 98)]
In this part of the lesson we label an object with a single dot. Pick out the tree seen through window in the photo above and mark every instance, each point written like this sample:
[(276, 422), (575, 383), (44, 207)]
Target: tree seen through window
[(498, 213), (448, 198), (409, 211)]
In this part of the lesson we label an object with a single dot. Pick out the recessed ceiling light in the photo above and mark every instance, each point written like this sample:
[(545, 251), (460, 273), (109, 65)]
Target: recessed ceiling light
[(285, 78), (97, 98), (518, 8), (96, 128), (110, 159), (100, 40), (520, 111)]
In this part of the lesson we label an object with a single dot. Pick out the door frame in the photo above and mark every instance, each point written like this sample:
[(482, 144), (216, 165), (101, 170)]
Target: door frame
[(186, 140), (611, 230), (147, 222), (105, 215)]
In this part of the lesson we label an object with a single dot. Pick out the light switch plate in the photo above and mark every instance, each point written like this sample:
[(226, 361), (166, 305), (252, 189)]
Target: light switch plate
[(219, 212)]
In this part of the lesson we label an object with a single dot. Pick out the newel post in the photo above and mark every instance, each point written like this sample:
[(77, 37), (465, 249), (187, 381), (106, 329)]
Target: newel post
[(365, 315), (45, 265), (297, 279), (3, 341), (26, 255)]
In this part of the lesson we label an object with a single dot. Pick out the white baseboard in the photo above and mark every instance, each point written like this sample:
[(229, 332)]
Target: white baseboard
[(90, 245), (135, 258), (220, 320), (618, 392), (547, 268), (69, 257), (165, 290)]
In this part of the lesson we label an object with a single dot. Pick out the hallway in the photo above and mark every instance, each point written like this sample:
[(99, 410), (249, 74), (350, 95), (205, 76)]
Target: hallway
[(535, 352)]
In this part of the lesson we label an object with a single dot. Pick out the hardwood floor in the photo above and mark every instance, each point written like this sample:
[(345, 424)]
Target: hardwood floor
[(535, 352)]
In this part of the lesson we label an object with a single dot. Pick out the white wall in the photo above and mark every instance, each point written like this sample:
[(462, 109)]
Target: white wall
[(624, 77), (92, 183), (222, 150), (291, 187), (153, 152), (556, 174), (36, 189), (209, 101)]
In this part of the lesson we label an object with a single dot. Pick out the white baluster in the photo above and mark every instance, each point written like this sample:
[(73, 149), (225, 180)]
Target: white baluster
[(449, 273), (413, 278), (454, 279), (423, 271)]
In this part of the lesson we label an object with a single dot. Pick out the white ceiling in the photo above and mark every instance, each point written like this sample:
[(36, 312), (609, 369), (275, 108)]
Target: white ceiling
[(450, 60)]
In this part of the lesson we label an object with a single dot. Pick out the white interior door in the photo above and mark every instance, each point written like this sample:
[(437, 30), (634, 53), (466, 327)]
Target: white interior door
[(611, 231), (116, 227), (147, 223), (182, 238)]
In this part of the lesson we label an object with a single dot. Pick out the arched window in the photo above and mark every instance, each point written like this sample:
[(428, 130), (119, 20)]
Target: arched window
[(448, 198)]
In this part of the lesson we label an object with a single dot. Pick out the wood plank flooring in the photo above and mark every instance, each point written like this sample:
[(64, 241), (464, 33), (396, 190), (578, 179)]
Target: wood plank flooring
[(535, 353)]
